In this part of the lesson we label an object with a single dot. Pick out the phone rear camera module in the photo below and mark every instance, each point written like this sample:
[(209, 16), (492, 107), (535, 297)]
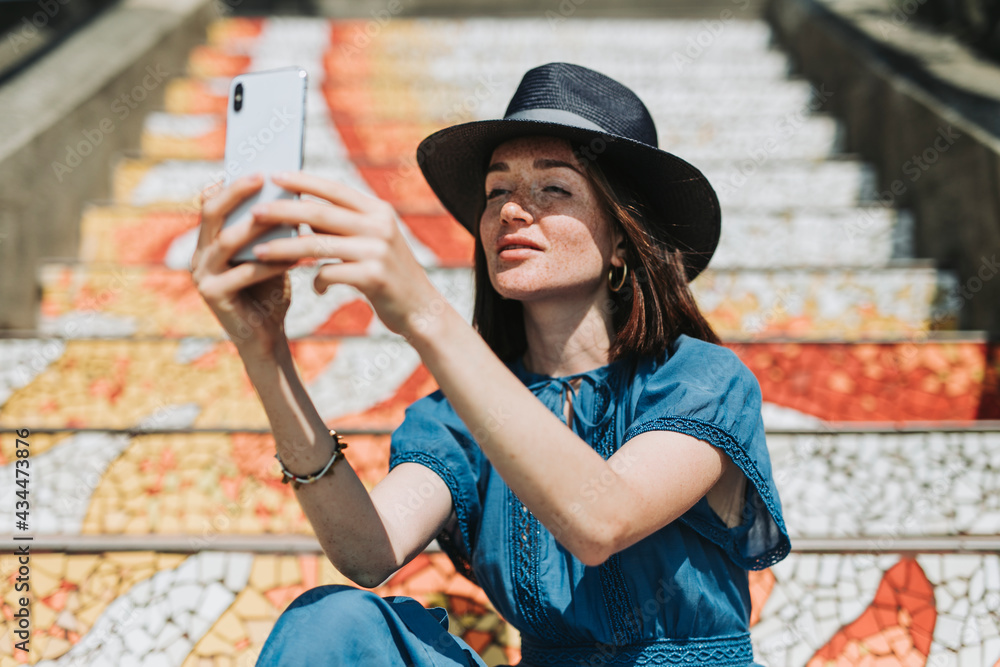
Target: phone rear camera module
[(238, 97)]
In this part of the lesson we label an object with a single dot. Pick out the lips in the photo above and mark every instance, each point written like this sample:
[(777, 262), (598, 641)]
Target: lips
[(515, 243)]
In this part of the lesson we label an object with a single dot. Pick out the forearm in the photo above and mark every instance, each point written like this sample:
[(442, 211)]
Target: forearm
[(544, 462), (338, 505)]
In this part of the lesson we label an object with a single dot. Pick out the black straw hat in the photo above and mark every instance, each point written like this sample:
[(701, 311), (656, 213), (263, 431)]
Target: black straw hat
[(605, 120)]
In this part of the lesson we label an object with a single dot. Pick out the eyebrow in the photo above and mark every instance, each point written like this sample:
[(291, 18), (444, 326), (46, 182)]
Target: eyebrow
[(540, 163)]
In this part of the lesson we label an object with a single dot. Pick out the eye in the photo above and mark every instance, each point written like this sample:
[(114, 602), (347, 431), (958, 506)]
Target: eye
[(495, 192), (557, 189)]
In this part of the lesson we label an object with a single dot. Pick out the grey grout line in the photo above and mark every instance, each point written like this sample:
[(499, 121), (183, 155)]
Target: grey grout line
[(192, 544), (299, 544), (880, 544)]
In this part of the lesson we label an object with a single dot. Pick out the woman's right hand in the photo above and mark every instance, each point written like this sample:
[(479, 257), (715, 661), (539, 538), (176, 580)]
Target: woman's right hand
[(249, 299)]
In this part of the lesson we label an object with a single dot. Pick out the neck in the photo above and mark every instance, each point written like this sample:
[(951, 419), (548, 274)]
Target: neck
[(566, 338)]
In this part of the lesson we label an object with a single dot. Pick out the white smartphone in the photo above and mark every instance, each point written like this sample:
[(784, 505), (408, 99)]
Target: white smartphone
[(265, 131)]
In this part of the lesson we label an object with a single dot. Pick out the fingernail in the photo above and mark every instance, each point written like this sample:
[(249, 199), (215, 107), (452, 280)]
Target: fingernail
[(259, 209), (280, 175)]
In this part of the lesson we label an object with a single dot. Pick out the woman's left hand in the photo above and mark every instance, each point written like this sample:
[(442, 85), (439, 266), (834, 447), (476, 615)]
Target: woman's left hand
[(358, 229)]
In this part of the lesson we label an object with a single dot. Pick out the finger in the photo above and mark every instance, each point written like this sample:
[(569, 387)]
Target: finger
[(347, 248), (230, 241), (347, 273), (215, 209), (211, 190), (320, 216), (332, 191), (239, 277)]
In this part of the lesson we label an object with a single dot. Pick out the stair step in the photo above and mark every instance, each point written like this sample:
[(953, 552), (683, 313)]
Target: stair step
[(238, 596), (838, 487), (148, 607), (343, 67), (367, 382), (442, 104), (208, 95), (752, 239), (770, 184), (202, 137), (870, 484), (84, 300), (647, 36), (878, 607)]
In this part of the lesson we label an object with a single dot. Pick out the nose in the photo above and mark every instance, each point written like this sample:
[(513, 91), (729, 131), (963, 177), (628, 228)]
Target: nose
[(512, 212)]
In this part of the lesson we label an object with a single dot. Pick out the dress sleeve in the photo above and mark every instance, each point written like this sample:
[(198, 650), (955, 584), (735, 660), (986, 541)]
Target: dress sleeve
[(705, 391), (434, 436)]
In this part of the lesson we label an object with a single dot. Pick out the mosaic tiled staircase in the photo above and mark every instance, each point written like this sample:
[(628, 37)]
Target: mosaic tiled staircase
[(170, 541)]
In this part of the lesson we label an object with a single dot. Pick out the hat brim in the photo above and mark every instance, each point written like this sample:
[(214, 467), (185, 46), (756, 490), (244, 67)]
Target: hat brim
[(685, 206)]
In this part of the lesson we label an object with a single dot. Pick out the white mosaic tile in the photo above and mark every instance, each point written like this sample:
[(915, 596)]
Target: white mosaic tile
[(876, 486), (62, 481), (21, 361), (158, 621), (365, 372)]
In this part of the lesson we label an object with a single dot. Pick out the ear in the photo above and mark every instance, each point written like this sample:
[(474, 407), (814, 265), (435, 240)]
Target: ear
[(620, 243)]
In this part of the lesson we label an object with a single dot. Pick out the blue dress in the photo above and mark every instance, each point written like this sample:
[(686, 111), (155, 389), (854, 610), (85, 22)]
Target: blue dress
[(679, 596)]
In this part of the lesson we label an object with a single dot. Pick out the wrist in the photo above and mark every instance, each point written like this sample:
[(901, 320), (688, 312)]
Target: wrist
[(428, 326), (263, 349)]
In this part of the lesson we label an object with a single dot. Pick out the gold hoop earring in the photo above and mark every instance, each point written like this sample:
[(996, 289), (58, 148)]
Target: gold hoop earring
[(621, 283)]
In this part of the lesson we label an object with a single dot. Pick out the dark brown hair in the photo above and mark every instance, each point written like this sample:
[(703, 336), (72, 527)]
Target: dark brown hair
[(652, 309)]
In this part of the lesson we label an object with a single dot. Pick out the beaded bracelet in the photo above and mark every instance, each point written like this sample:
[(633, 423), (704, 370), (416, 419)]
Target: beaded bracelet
[(338, 453)]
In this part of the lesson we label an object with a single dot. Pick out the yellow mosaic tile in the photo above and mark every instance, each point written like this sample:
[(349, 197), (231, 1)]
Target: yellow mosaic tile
[(119, 384), (69, 594), (40, 443)]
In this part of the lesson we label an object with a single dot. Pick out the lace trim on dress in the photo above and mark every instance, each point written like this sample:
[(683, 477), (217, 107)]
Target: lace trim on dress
[(525, 532), (719, 438), (617, 599), (732, 651), (618, 602)]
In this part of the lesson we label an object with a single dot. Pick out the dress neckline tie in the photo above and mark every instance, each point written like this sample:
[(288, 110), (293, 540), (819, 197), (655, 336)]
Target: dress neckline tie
[(563, 387)]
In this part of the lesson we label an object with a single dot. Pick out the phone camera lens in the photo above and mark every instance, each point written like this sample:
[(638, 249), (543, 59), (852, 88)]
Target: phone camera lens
[(238, 97)]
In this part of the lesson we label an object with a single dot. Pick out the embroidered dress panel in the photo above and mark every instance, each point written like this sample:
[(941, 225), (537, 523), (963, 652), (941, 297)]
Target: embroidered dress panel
[(685, 583)]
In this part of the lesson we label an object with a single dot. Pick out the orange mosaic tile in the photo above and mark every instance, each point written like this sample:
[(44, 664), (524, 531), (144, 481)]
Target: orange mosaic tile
[(351, 319), (132, 235), (195, 96), (897, 628), (346, 104), (234, 33), (208, 146), (210, 61), (761, 585), (390, 411), (381, 143), (449, 240), (910, 381), (404, 187)]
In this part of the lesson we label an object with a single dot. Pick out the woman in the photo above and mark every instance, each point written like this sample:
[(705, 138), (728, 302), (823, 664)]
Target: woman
[(593, 458)]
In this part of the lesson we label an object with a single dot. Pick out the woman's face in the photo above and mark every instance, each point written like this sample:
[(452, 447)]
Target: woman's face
[(544, 231)]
